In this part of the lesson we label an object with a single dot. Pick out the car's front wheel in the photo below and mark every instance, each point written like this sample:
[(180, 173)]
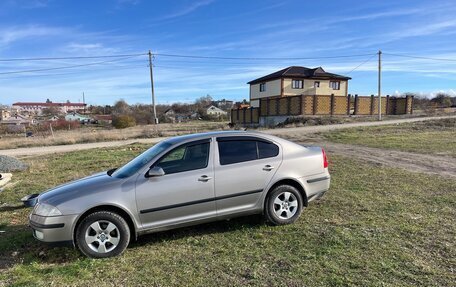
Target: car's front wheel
[(284, 205), (102, 234)]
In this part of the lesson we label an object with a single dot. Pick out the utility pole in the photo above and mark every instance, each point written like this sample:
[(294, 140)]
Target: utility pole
[(152, 88), (83, 102), (379, 85)]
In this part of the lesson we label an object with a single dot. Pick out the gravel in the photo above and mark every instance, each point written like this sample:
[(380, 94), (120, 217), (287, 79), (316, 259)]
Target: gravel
[(9, 164)]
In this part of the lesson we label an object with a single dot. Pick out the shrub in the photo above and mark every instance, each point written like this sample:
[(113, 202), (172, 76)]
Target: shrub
[(62, 124), (123, 121)]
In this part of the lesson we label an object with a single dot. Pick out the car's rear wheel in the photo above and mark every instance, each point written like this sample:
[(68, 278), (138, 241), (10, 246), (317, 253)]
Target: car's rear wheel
[(102, 234), (283, 205)]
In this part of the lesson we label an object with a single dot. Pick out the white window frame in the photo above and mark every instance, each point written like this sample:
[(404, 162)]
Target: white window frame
[(316, 84), (297, 84), (335, 85)]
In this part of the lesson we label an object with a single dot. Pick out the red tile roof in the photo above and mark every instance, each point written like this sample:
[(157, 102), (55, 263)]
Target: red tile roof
[(49, 104)]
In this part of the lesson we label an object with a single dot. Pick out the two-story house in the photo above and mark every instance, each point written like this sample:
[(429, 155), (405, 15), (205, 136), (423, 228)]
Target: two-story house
[(296, 80)]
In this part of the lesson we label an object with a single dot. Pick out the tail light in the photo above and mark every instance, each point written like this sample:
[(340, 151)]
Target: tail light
[(325, 159)]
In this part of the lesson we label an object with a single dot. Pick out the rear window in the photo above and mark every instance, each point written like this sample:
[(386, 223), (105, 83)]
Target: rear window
[(266, 150), (234, 151)]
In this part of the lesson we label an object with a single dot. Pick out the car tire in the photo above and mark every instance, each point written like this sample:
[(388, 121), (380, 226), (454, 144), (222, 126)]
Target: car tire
[(102, 234), (284, 205)]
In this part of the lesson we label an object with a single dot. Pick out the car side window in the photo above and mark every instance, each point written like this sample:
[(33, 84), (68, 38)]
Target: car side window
[(234, 151), (266, 150), (237, 151), (185, 158)]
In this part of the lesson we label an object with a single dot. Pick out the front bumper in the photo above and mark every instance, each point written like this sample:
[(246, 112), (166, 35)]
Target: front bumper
[(52, 228)]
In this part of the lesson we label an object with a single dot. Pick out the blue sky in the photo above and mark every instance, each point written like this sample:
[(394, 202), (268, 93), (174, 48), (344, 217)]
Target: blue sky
[(279, 29)]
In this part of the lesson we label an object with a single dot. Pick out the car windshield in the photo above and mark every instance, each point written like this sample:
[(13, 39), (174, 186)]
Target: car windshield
[(138, 162)]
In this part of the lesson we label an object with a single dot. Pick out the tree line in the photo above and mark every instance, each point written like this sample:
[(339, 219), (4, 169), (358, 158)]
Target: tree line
[(126, 115)]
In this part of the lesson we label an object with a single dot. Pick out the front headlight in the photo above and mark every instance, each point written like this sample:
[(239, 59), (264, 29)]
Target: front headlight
[(44, 209)]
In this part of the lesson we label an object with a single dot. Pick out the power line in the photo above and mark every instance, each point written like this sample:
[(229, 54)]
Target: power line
[(420, 57), (117, 68), (370, 58), (65, 67), (260, 58), (70, 58)]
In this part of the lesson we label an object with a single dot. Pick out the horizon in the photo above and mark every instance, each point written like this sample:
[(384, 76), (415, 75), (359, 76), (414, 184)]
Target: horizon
[(228, 39)]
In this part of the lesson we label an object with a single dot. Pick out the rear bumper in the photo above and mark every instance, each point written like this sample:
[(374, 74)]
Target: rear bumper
[(53, 228), (316, 185)]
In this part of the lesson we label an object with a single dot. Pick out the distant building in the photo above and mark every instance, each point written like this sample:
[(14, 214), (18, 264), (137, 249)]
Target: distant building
[(170, 113), (37, 108), (16, 120), (174, 117), (242, 106), (76, 117), (223, 104), (296, 80), (214, 111), (53, 118), (4, 114)]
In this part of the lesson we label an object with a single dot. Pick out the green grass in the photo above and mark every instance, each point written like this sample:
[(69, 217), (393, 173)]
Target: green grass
[(429, 137), (376, 227)]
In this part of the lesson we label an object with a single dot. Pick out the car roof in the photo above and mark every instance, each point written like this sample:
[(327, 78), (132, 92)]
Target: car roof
[(197, 136)]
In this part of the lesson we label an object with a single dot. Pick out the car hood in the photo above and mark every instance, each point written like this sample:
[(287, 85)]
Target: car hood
[(81, 187)]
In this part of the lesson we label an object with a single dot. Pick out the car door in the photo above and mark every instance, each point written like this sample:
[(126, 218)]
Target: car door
[(186, 190), (244, 166)]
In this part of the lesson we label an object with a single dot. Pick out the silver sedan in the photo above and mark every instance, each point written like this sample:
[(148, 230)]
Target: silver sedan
[(183, 181)]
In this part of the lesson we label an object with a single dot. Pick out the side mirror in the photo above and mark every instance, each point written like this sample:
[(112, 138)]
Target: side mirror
[(155, 171)]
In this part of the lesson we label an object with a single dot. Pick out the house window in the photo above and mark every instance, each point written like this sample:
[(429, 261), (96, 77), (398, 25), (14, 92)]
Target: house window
[(297, 84), (316, 84), (335, 85), (262, 87)]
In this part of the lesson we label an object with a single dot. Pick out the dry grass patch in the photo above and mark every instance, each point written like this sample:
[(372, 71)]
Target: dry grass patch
[(429, 137), (91, 134)]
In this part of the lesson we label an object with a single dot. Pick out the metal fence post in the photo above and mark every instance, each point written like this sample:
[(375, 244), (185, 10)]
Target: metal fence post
[(387, 104), (411, 105), (372, 105), (355, 112)]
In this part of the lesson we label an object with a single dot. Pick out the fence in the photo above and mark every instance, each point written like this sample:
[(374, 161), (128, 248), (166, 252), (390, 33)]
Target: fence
[(320, 105), (245, 116)]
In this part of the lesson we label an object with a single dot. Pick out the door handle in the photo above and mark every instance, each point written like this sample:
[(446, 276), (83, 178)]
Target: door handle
[(204, 178), (268, 167)]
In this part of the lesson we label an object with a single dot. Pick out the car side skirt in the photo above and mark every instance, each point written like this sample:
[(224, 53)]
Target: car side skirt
[(200, 201)]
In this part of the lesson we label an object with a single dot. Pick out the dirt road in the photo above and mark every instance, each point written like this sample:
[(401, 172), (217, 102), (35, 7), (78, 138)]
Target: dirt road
[(415, 162), (286, 132)]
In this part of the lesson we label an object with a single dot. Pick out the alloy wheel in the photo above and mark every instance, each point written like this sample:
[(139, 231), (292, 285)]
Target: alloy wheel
[(102, 236), (285, 205)]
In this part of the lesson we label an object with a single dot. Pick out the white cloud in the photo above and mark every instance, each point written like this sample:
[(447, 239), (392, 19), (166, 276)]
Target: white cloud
[(9, 35), (187, 9), (89, 48), (27, 4)]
